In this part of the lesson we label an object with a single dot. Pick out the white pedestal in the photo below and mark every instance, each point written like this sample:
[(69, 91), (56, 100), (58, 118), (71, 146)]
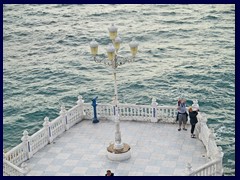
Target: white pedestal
[(119, 157)]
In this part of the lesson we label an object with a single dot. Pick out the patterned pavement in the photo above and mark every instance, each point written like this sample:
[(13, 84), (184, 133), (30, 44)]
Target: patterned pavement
[(157, 150)]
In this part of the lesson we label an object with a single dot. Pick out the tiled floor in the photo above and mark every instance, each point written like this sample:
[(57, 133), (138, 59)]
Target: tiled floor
[(157, 150)]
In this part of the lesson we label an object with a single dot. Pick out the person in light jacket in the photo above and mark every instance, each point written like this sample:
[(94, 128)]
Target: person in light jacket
[(182, 115), (178, 104)]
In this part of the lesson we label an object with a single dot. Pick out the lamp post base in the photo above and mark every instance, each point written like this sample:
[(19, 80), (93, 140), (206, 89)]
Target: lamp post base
[(119, 154)]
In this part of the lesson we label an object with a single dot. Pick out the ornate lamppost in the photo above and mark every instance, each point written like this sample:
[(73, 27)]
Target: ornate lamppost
[(118, 150)]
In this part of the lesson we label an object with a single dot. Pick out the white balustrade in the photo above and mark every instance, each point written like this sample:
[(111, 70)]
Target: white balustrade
[(167, 114), (80, 103), (63, 115), (207, 136), (47, 128), (38, 140), (73, 116), (135, 112), (214, 153), (10, 169), (212, 147), (105, 111), (219, 155), (17, 155), (87, 111), (149, 113), (189, 169), (208, 169), (57, 127), (202, 128)]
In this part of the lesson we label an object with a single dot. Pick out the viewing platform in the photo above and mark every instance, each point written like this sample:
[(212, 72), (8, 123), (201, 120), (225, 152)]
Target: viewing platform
[(72, 145)]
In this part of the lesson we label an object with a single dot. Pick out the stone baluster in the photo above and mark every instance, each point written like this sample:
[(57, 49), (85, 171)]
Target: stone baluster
[(80, 104), (197, 130), (26, 141), (195, 104), (189, 169), (219, 156), (47, 127), (25, 168), (63, 114), (154, 110), (210, 152), (203, 121)]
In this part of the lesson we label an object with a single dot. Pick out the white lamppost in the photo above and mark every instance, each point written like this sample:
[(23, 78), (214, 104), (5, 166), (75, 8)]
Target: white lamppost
[(118, 150)]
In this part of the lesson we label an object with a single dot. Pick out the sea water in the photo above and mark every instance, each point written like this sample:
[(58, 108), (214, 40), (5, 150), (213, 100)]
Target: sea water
[(184, 50)]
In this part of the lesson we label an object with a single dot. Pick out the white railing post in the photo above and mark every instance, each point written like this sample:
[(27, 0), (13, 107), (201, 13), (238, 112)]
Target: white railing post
[(26, 141), (198, 129), (154, 110), (25, 168), (219, 156), (211, 139), (80, 104), (46, 125), (189, 169), (63, 114), (195, 104), (203, 122)]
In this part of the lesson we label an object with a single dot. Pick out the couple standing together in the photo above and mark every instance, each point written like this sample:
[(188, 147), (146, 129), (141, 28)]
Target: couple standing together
[(182, 116)]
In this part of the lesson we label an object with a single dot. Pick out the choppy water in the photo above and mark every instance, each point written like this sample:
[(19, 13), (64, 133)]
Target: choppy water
[(184, 50)]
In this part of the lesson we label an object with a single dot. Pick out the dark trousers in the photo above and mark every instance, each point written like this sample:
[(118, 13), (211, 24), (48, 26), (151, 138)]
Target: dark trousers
[(192, 128)]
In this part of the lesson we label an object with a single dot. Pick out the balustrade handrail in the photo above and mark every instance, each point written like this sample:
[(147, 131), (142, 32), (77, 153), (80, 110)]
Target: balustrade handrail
[(33, 136), (16, 155), (73, 108), (168, 107), (13, 150), (207, 137), (56, 120), (34, 140), (134, 105), (205, 166), (57, 127)]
